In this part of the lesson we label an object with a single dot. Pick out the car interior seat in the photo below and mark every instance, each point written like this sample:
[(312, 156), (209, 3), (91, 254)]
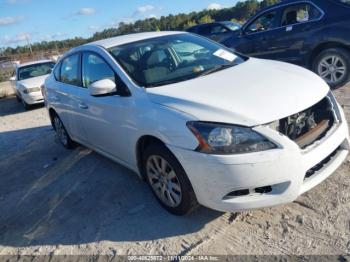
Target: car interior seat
[(154, 69), (291, 18)]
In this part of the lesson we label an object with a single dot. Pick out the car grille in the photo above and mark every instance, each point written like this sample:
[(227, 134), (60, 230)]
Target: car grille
[(310, 125)]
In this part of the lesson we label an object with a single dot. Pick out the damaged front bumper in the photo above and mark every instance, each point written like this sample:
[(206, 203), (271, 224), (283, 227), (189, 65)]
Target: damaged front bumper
[(239, 182)]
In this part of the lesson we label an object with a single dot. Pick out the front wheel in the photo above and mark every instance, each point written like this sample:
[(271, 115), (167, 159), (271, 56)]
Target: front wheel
[(61, 133), (168, 180), (25, 105), (333, 65)]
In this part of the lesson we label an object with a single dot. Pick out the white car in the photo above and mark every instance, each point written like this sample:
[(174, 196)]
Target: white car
[(200, 123), (28, 79)]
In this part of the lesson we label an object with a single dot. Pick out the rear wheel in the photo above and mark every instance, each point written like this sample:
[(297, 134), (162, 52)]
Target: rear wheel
[(168, 180), (61, 133), (333, 65)]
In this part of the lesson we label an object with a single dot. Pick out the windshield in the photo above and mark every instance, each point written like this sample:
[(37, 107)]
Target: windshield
[(35, 70), (233, 26), (173, 58)]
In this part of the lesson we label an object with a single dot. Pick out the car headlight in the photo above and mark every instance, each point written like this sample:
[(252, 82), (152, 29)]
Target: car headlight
[(31, 90), (228, 139)]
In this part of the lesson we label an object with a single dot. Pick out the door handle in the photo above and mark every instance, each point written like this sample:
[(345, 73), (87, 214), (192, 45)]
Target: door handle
[(83, 106)]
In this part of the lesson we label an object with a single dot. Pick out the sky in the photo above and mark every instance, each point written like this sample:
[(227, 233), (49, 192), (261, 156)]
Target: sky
[(44, 20)]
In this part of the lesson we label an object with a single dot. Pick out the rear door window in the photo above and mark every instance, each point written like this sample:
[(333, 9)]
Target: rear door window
[(70, 70), (300, 13)]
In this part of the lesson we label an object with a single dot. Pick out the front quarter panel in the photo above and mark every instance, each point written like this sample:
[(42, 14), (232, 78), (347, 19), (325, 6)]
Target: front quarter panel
[(164, 123)]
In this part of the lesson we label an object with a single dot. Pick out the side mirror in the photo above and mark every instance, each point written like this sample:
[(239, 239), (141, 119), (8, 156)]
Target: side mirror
[(13, 78), (102, 87)]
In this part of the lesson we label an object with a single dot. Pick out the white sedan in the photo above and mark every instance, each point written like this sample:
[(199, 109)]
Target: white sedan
[(28, 79), (199, 122)]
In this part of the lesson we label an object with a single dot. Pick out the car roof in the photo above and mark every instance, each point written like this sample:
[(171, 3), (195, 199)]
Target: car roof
[(130, 38), (34, 63), (287, 2)]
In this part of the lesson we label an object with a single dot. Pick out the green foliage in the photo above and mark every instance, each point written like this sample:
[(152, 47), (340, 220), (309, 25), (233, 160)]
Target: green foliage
[(190, 23), (205, 19), (242, 11)]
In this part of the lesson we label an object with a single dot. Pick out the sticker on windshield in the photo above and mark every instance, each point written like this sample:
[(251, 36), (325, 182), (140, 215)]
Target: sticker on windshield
[(225, 55)]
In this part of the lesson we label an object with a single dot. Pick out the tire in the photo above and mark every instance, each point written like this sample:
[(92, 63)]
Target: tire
[(62, 133), (169, 184), (18, 99), (333, 65)]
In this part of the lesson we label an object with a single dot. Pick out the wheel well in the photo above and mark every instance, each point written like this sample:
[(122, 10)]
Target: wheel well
[(141, 145), (52, 113), (323, 47)]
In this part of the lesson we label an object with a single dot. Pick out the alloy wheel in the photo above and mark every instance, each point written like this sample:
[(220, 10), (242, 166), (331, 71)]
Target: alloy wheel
[(163, 180), (332, 69)]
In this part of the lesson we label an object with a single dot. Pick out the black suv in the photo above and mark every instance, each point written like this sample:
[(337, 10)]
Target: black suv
[(314, 34)]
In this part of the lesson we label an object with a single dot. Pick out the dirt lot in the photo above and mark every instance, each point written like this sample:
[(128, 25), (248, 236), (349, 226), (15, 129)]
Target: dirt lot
[(54, 201)]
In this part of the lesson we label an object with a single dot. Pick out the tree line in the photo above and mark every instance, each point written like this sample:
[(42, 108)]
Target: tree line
[(241, 12)]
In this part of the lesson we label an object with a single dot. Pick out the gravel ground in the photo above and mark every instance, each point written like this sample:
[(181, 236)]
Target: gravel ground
[(5, 89), (54, 201)]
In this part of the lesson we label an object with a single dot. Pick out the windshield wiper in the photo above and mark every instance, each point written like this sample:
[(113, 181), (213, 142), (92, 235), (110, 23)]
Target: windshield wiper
[(168, 82), (206, 72), (215, 69)]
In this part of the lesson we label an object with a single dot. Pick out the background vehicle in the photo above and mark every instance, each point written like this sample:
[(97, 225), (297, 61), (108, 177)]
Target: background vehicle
[(28, 79), (312, 33), (218, 31), (186, 114)]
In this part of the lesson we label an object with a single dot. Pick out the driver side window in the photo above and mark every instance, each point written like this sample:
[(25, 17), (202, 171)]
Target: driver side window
[(264, 22), (94, 68)]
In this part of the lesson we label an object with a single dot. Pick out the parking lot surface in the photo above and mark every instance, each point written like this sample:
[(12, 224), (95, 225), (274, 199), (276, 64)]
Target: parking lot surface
[(56, 201)]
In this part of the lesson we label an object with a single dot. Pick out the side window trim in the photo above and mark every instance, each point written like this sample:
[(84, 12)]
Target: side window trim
[(124, 89), (280, 14), (80, 70)]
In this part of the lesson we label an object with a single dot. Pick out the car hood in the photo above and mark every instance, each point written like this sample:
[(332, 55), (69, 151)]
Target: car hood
[(252, 93), (33, 82)]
